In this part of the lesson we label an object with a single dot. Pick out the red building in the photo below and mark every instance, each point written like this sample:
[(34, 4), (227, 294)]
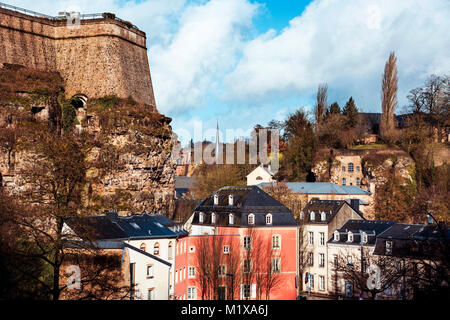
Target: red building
[(242, 244)]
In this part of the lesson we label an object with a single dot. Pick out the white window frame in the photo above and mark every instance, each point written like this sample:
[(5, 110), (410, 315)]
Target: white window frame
[(311, 238), (216, 199), (312, 216), (226, 249), (192, 293), (269, 219), (222, 270), (276, 241), (247, 242), (213, 218), (191, 272), (322, 238), (336, 236), (201, 217), (323, 216), (276, 265), (152, 271), (231, 219), (350, 237), (251, 219), (322, 260), (311, 259), (321, 283)]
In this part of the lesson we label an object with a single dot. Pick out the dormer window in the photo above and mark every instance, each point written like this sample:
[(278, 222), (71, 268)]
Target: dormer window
[(350, 236), (213, 218), (323, 216), (216, 199), (364, 237), (336, 236), (230, 200), (312, 216), (201, 217), (268, 218), (251, 219), (230, 218)]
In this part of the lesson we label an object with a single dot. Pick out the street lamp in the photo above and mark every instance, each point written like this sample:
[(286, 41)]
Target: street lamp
[(232, 284)]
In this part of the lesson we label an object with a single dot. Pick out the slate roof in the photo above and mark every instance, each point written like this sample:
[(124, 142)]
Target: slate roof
[(320, 188), (371, 227), (114, 227), (330, 207), (246, 200)]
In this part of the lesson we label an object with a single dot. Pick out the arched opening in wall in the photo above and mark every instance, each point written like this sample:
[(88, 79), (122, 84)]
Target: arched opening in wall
[(79, 100)]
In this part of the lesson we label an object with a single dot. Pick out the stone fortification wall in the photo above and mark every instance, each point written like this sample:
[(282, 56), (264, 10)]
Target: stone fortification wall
[(102, 57)]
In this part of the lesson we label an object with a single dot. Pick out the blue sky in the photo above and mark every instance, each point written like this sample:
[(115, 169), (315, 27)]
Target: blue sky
[(244, 62)]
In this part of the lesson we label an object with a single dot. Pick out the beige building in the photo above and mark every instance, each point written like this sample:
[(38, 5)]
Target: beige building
[(348, 170), (321, 218)]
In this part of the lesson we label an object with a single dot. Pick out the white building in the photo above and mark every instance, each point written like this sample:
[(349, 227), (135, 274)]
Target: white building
[(149, 243), (320, 218), (260, 175)]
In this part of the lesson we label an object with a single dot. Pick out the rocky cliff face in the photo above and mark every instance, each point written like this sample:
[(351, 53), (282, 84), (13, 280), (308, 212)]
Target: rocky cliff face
[(130, 168)]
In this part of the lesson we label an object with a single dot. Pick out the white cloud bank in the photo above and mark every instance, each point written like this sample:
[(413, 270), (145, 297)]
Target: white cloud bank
[(345, 43)]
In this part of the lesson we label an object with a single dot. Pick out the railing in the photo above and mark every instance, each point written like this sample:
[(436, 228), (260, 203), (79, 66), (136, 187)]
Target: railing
[(88, 16)]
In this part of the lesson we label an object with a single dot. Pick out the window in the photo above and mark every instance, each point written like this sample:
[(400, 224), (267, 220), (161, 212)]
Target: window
[(344, 181), (364, 237), (302, 215), (247, 265), (191, 293), (169, 251), (350, 167), (322, 238), (222, 293), (321, 283), (156, 249), (251, 218), (388, 247), (311, 237), (349, 260), (222, 270), (151, 294), (321, 260), (343, 168), (201, 217), (192, 249), (247, 241), (149, 271), (230, 200), (358, 169), (213, 218), (143, 247), (226, 249), (246, 291), (336, 261), (311, 259), (216, 199), (230, 218), (350, 236), (312, 216), (336, 236), (276, 242), (268, 218), (358, 181), (276, 268), (311, 281), (323, 216), (259, 178), (191, 272)]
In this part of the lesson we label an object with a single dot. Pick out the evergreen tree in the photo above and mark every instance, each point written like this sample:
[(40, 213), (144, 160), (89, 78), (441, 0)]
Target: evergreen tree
[(351, 112), (335, 109)]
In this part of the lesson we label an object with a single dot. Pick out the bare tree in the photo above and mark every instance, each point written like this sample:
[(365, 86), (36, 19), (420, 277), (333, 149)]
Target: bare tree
[(321, 104), (389, 87)]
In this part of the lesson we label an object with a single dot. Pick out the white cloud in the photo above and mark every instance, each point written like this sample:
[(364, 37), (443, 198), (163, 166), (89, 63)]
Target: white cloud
[(345, 43), (203, 50)]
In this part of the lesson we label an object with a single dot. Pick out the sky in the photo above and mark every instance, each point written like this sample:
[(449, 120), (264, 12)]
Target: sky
[(245, 62)]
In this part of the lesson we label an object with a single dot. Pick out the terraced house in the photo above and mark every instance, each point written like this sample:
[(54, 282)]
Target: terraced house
[(242, 245)]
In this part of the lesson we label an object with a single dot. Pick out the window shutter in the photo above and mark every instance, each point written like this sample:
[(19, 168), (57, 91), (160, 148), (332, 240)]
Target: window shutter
[(253, 295)]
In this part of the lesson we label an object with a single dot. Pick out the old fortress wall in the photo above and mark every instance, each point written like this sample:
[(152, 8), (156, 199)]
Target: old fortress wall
[(103, 56)]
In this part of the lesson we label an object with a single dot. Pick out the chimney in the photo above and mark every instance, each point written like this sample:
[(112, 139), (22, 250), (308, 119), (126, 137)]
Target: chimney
[(354, 203)]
